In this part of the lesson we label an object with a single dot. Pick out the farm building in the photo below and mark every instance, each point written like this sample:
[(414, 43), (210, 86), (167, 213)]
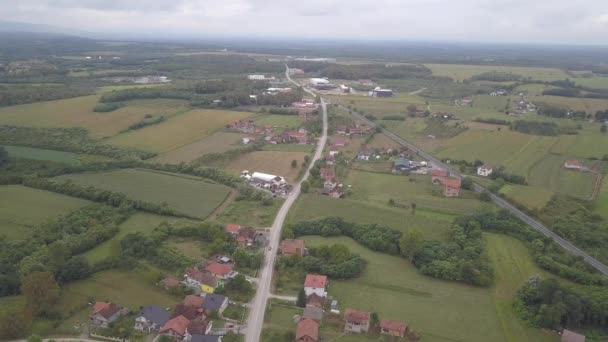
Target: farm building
[(380, 92), (393, 328), (484, 170), (292, 246), (402, 165), (437, 175), (315, 300), (266, 180), (316, 284), (573, 164), (316, 314), (307, 331), (260, 78), (356, 321), (317, 81)]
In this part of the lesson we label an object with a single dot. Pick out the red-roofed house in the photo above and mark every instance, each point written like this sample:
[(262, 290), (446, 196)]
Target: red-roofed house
[(292, 246), (438, 175), (232, 228), (356, 321), (176, 327), (299, 137), (193, 300), (206, 281), (190, 312), (340, 142), (393, 328), (316, 284), (315, 301), (220, 271), (105, 313), (307, 331), (327, 173), (573, 164), (451, 187)]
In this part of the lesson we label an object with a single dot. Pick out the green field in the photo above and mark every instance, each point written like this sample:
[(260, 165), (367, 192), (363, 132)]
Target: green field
[(548, 173), (217, 142), (574, 103), (108, 89), (23, 208), (495, 103), (178, 131), (531, 197), (195, 198), (272, 162), (587, 144), (42, 154), (139, 222), (532, 88), (279, 319), (601, 203), (250, 213), (459, 72), (285, 121), (394, 289), (598, 82), (78, 112)]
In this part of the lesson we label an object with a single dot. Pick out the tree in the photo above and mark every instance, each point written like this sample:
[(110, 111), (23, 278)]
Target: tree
[(75, 268), (374, 321), (603, 129), (467, 183), (41, 291), (294, 164), (485, 196), (3, 156), (411, 108), (14, 323), (301, 302), (305, 187), (413, 207), (410, 243)]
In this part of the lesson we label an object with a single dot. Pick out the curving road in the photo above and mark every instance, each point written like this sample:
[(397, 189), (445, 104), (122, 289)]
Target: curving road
[(498, 200), (255, 321)]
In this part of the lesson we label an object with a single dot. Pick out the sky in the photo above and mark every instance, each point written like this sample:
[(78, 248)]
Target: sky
[(513, 21)]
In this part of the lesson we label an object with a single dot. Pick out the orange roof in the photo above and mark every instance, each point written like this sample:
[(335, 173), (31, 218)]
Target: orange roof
[(217, 268), (452, 183), (232, 228), (573, 162), (177, 324), (356, 316), (104, 309), (290, 246), (439, 173), (315, 280), (307, 327), (192, 300), (393, 325)]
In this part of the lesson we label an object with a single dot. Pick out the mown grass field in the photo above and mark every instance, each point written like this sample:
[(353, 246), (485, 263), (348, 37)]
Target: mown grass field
[(459, 72), (495, 103), (109, 89), (41, 154), (531, 197), (589, 143), (279, 319), (272, 162), (380, 188), (22, 208), (78, 112), (217, 142), (548, 173), (250, 213), (195, 198), (178, 131), (598, 82), (393, 288), (574, 103), (285, 121), (380, 107), (532, 88), (138, 222), (382, 141)]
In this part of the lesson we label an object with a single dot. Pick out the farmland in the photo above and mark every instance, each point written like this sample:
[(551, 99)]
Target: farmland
[(78, 112), (252, 213), (285, 121), (23, 208), (215, 143), (41, 154), (272, 162), (601, 204), (531, 197), (598, 82), (548, 173), (573, 103), (187, 195), (178, 131), (380, 107), (459, 72)]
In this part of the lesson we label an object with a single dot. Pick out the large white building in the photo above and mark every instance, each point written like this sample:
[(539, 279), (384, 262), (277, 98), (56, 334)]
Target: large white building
[(484, 170)]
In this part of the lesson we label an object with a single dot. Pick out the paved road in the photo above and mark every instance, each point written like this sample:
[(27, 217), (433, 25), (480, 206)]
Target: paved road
[(255, 321), (498, 200)]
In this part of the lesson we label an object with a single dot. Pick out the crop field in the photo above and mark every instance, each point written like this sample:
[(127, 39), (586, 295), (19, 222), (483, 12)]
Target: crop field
[(289, 148), (178, 131), (41, 154), (574, 103), (531, 197), (432, 224), (250, 213), (23, 208), (272, 162), (392, 287), (380, 107), (78, 112), (138, 222), (589, 143), (285, 121), (195, 198), (380, 188), (109, 89), (495, 103), (217, 142), (548, 173), (533, 88), (598, 82), (459, 72), (382, 141)]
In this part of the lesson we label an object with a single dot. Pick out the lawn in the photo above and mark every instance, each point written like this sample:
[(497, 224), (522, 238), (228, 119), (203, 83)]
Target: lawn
[(187, 195), (272, 162), (139, 222), (217, 142), (531, 197), (279, 319), (548, 173), (437, 310), (250, 213), (285, 121), (459, 72), (380, 188), (179, 130), (23, 208), (78, 112)]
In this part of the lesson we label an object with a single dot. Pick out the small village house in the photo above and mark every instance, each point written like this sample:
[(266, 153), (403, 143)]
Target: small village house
[(393, 328), (215, 302), (232, 229), (200, 326), (451, 187), (188, 311), (194, 300), (315, 283), (330, 159), (246, 237), (170, 282), (484, 170), (205, 281), (292, 246), (218, 270), (339, 142), (327, 173), (314, 300), (307, 331), (573, 164), (571, 336), (176, 327), (356, 321), (105, 313), (151, 319), (438, 175)]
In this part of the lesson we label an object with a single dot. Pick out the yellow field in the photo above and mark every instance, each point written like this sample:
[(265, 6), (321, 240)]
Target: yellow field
[(78, 112), (460, 72), (178, 131), (215, 143), (273, 162)]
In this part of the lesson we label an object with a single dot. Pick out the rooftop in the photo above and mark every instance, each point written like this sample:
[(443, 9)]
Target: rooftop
[(215, 267), (356, 316), (178, 324), (393, 325), (315, 280), (307, 327)]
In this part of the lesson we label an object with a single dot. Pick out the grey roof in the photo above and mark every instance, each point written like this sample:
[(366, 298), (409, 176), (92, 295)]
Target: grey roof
[(155, 314), (402, 162), (213, 301), (205, 338), (313, 313)]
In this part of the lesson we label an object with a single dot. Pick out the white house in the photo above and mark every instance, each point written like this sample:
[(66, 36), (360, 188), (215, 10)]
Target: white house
[(573, 164), (484, 170), (316, 284)]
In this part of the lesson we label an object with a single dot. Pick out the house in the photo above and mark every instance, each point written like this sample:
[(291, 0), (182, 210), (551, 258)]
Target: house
[(327, 173), (339, 142), (151, 319), (330, 184), (341, 130), (438, 175), (200, 326), (393, 328), (330, 159), (356, 321), (193, 300), (205, 338), (379, 92), (365, 154), (314, 300), (402, 165), (215, 302), (484, 170), (206, 281), (105, 313), (176, 327), (311, 312), (296, 136), (573, 164), (188, 311), (246, 237), (571, 336), (169, 283), (220, 271), (451, 187), (292, 246), (307, 331), (316, 284), (232, 228)]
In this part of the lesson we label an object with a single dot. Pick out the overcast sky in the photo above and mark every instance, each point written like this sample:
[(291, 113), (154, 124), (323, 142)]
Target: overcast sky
[(548, 21)]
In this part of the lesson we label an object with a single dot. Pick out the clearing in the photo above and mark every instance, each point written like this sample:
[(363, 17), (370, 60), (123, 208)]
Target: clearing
[(217, 142), (272, 162)]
